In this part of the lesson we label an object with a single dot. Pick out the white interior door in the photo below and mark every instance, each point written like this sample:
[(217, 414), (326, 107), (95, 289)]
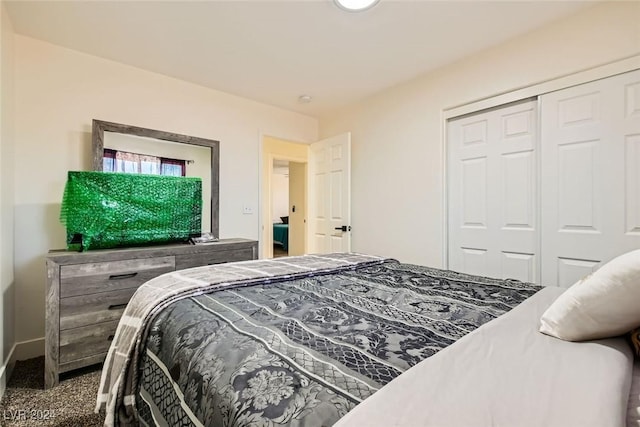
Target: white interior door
[(492, 192), (330, 195), (297, 208), (590, 176)]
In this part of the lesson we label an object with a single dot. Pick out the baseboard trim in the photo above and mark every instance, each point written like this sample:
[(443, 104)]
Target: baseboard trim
[(29, 349), (6, 370), (20, 351)]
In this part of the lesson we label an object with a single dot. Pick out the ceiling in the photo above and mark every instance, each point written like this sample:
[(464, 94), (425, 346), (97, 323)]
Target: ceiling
[(275, 51)]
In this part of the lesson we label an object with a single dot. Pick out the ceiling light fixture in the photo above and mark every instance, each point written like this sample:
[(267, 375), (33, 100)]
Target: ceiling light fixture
[(355, 5), (304, 99)]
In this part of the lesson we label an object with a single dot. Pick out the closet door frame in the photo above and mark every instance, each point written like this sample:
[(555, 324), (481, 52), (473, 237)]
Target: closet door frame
[(519, 94)]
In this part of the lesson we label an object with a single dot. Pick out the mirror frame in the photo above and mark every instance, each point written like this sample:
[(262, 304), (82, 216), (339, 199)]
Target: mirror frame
[(97, 142)]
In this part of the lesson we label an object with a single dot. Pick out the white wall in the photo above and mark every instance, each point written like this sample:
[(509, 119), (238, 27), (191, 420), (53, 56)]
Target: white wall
[(397, 135), (6, 193), (280, 194), (59, 92)]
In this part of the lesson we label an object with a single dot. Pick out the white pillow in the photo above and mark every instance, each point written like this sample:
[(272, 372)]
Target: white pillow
[(603, 304)]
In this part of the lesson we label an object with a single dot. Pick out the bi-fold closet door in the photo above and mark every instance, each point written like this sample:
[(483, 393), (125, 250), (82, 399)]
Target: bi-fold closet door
[(546, 190)]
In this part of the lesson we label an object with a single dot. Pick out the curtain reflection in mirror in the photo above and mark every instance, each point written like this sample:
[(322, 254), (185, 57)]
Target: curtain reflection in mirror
[(126, 162)]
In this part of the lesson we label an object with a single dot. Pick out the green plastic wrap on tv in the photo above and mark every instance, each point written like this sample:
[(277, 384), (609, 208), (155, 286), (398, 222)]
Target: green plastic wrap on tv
[(106, 210)]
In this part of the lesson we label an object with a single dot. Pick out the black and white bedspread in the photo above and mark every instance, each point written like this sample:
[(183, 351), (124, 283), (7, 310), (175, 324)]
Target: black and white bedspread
[(304, 352)]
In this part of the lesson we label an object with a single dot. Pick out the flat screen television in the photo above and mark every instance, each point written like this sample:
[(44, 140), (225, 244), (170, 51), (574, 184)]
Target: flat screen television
[(107, 210)]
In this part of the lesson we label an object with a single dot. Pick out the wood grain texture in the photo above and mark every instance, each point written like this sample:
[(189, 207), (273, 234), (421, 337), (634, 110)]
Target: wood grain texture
[(215, 188), (99, 127), (214, 257), (91, 277), (64, 257), (85, 301), (81, 363), (90, 309), (86, 341), (52, 325)]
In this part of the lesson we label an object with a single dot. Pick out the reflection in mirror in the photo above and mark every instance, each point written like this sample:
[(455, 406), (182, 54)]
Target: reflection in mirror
[(138, 154), (131, 149)]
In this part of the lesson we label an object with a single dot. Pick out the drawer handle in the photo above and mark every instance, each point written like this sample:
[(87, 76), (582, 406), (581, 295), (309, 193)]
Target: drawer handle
[(117, 306), (122, 276), (110, 337)]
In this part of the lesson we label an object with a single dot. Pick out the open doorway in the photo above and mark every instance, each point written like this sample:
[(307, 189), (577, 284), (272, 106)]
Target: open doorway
[(280, 207), (322, 211), (284, 201)]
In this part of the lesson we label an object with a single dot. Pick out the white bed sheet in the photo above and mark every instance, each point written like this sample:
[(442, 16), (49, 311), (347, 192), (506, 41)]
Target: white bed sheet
[(633, 407), (506, 373)]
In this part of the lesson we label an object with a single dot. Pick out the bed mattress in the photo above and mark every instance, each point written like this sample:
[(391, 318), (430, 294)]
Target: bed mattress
[(506, 373)]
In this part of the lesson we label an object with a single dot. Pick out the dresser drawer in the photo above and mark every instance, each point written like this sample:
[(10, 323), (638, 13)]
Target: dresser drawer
[(210, 258), (87, 341), (89, 278), (85, 310)]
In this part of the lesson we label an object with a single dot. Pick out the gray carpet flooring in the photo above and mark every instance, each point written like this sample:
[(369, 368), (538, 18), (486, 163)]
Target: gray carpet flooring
[(70, 404)]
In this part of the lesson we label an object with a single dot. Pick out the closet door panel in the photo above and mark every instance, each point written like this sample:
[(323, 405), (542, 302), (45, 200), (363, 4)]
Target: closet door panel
[(474, 192), (573, 201), (515, 206), (579, 184), (632, 98), (518, 200), (632, 181), (519, 266), (571, 270), (590, 176), (492, 193), (468, 181), (630, 124), (474, 261)]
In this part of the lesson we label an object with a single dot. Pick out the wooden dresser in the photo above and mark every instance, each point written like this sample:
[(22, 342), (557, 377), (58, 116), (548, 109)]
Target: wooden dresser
[(88, 291)]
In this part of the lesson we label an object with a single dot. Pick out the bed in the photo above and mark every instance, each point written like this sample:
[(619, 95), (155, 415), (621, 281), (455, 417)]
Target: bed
[(347, 339), (281, 235)]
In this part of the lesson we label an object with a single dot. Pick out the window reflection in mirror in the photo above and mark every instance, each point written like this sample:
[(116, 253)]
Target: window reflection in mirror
[(136, 154)]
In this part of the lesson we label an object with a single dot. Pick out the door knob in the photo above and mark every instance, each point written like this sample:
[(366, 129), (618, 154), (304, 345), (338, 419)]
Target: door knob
[(344, 228)]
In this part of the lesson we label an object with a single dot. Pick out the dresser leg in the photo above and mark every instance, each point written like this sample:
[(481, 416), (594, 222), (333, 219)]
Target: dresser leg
[(51, 377)]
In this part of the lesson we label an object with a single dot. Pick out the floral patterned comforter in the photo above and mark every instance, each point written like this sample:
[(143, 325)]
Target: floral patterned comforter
[(304, 352)]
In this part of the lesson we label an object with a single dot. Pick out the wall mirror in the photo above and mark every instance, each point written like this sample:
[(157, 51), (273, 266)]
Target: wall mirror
[(124, 148)]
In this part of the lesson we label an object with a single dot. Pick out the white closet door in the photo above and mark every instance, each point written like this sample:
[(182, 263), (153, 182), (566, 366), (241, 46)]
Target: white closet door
[(590, 156), (492, 193)]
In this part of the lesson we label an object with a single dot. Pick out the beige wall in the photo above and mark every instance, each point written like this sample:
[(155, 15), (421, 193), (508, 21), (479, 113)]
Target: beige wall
[(6, 193), (59, 91), (397, 135)]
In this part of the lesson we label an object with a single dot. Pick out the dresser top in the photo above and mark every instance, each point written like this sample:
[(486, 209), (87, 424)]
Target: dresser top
[(64, 256)]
